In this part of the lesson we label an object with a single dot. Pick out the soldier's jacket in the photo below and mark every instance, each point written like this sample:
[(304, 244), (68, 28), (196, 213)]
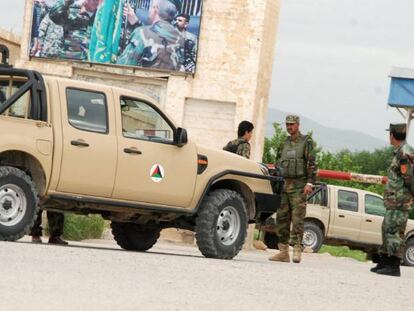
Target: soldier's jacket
[(309, 159), (50, 38), (159, 45), (239, 146), (190, 51), (77, 25), (398, 192)]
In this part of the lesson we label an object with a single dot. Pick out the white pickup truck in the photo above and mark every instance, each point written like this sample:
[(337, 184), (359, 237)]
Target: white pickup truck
[(344, 216)]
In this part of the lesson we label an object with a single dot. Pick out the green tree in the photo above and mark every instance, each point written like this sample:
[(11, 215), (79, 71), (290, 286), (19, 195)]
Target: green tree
[(273, 145)]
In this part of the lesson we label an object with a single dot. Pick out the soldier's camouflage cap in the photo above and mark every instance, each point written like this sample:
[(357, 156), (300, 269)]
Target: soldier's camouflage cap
[(177, 3), (397, 128), (292, 118)]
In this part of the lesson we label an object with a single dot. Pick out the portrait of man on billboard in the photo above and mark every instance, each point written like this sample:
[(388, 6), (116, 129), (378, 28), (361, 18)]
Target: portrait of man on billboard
[(158, 34)]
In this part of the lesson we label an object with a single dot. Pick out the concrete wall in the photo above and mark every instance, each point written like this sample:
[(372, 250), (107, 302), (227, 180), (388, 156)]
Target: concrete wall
[(12, 41), (236, 49)]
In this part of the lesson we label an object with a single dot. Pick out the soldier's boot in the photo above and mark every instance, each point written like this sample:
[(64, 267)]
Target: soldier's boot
[(283, 254), (36, 239), (57, 240), (392, 267), (258, 244), (381, 262), (297, 253)]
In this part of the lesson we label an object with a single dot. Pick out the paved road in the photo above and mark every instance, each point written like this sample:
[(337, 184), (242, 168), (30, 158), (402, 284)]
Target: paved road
[(91, 276)]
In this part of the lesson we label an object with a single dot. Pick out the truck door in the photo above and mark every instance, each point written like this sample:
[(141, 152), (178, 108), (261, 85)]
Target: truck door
[(89, 143), (151, 168), (346, 222), (374, 211)]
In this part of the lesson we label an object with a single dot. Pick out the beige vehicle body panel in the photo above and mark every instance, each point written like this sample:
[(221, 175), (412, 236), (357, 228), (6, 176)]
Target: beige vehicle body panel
[(350, 227)]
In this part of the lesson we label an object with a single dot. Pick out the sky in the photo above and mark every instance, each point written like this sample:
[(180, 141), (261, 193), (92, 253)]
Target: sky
[(332, 59)]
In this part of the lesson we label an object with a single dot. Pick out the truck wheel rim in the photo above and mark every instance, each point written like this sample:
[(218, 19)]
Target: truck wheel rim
[(410, 255), (13, 205), (309, 238), (228, 225)]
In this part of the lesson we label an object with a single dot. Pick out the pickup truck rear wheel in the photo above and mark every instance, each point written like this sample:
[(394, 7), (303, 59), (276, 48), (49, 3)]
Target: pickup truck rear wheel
[(135, 237), (221, 224), (312, 236), (408, 257), (18, 203)]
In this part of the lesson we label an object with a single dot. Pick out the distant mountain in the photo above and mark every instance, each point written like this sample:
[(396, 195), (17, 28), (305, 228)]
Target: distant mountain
[(330, 139)]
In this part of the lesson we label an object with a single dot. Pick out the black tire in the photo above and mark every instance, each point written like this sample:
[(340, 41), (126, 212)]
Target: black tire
[(217, 232), (135, 237), (271, 240), (313, 236), (18, 203), (408, 257)]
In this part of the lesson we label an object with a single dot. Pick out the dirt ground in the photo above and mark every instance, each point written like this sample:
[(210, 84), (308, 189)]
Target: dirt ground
[(98, 275)]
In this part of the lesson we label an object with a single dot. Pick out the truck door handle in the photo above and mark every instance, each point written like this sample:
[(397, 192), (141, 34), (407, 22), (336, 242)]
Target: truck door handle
[(79, 143), (132, 151), (368, 220), (342, 216)]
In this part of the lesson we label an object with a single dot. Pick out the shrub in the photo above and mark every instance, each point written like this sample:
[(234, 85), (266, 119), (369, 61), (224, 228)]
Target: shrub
[(78, 227)]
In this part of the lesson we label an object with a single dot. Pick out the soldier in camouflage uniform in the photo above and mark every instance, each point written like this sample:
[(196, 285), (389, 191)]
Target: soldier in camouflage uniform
[(190, 42), (77, 20), (159, 45), (56, 222), (398, 199), (298, 162), (241, 145), (50, 38)]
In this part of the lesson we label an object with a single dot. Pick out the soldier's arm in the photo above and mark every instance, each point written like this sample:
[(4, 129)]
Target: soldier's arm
[(406, 169), (59, 13), (310, 158), (132, 54)]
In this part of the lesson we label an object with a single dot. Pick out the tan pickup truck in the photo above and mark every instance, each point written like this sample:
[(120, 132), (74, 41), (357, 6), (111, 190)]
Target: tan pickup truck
[(80, 147), (345, 216)]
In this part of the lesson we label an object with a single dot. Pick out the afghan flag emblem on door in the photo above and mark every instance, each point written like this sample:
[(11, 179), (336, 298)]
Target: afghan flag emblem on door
[(157, 173)]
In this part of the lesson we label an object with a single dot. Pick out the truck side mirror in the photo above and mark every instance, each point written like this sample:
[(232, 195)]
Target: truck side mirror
[(180, 137)]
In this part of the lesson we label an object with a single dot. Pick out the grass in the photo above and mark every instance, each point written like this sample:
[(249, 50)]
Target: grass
[(343, 251), (78, 227)]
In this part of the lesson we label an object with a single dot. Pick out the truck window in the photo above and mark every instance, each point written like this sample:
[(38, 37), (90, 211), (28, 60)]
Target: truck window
[(9, 86), (87, 110), (348, 200), (316, 199), (374, 205), (141, 121)]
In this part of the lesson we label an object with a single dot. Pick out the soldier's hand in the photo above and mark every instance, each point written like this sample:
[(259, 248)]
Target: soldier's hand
[(307, 190), (129, 13)]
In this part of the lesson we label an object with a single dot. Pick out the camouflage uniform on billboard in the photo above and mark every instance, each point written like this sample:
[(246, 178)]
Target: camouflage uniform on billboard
[(159, 45), (239, 146), (77, 24), (50, 38), (298, 162), (190, 51)]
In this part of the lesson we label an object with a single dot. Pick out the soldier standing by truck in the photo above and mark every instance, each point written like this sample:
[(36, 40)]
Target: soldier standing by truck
[(298, 162), (398, 199)]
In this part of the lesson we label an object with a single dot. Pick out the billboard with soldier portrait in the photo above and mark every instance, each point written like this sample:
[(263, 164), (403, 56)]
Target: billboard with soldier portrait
[(158, 34)]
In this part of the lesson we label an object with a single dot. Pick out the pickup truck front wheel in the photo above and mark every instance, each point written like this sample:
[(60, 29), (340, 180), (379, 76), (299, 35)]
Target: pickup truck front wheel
[(312, 236), (221, 224), (18, 203), (408, 257), (134, 237)]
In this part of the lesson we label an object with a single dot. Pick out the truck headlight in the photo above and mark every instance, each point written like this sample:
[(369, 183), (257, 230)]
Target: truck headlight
[(264, 169)]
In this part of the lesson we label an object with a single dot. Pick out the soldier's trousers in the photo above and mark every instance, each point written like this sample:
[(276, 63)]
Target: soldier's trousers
[(292, 211), (55, 221), (393, 229)]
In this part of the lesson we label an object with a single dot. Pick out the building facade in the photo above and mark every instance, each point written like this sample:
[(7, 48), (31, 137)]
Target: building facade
[(231, 83)]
